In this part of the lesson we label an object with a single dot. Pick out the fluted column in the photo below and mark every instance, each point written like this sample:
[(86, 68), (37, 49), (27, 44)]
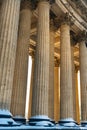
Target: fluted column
[(8, 40), (66, 96), (83, 79), (41, 75), (21, 64), (31, 88), (56, 93), (77, 96), (51, 73), (73, 79)]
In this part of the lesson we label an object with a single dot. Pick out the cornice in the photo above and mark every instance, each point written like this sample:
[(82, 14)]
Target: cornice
[(65, 6)]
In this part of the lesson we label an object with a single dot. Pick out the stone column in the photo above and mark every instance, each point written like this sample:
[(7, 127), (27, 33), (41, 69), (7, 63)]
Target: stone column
[(77, 96), (51, 73), (8, 40), (31, 87), (83, 79), (21, 65), (56, 93), (73, 78), (66, 91), (41, 73)]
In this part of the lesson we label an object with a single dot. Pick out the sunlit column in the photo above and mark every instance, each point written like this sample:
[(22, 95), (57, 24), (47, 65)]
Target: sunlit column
[(51, 72), (73, 77), (21, 64), (66, 91), (41, 73), (9, 20), (83, 76)]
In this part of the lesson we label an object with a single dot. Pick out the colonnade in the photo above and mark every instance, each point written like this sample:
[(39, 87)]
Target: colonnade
[(48, 96)]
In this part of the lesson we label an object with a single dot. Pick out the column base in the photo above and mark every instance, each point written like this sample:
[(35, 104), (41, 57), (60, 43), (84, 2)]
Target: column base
[(38, 122), (41, 120), (68, 123), (84, 125), (19, 119), (6, 119)]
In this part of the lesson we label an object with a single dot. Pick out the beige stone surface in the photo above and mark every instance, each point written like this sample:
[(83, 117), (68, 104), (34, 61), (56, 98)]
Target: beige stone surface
[(8, 40), (66, 92), (21, 64), (51, 76), (83, 79), (56, 94), (73, 81), (41, 75)]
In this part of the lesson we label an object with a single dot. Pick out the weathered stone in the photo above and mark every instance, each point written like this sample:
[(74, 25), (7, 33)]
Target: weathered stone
[(8, 41), (21, 64), (41, 73), (66, 92)]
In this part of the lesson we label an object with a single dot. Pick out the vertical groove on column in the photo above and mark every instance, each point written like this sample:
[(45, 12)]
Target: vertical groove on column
[(56, 94), (8, 39), (51, 76), (83, 80), (66, 97), (21, 64), (41, 75)]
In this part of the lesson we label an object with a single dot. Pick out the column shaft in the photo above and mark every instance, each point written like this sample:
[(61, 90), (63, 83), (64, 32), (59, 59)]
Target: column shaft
[(41, 75), (83, 80), (56, 94), (51, 76), (73, 81), (21, 64), (8, 39), (66, 97)]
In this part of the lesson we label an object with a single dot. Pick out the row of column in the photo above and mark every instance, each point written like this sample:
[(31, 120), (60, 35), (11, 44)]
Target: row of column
[(14, 62)]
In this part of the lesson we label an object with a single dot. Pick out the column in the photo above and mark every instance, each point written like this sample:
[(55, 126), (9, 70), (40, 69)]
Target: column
[(66, 91), (56, 92), (77, 96), (51, 73), (8, 40), (83, 78), (31, 88), (41, 73), (21, 65), (73, 79)]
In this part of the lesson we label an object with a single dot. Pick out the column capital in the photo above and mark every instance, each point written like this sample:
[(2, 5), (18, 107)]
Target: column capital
[(35, 2), (82, 36), (50, 1), (65, 19), (26, 4), (73, 38)]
